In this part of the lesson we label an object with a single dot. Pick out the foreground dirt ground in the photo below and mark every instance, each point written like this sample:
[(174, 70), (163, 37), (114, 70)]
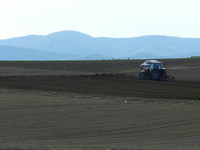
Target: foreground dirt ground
[(51, 120), (81, 110)]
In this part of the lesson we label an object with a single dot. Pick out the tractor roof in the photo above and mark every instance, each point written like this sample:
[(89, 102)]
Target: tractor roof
[(151, 62)]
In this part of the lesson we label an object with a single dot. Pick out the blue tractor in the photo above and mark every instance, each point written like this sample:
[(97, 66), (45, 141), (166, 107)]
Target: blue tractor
[(154, 70)]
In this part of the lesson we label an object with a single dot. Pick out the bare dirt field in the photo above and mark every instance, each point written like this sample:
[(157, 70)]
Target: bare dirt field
[(59, 108)]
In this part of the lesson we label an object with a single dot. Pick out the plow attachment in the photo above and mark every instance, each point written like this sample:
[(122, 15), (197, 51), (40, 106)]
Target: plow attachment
[(167, 78)]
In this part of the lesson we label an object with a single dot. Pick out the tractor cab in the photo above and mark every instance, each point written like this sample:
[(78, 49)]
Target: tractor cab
[(158, 66), (152, 64)]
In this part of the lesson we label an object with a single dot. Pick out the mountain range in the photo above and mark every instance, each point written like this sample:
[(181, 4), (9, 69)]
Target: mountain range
[(73, 45)]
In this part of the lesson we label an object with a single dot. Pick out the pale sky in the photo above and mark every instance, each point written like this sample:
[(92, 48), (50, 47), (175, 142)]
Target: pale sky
[(100, 18)]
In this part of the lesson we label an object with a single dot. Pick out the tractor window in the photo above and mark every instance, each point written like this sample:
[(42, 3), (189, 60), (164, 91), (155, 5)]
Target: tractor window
[(156, 66), (151, 66), (160, 66)]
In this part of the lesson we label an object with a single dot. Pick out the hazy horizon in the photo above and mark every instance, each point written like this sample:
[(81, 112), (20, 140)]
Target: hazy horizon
[(94, 36)]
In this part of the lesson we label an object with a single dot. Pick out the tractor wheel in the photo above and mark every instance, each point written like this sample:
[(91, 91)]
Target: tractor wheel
[(142, 75), (155, 74)]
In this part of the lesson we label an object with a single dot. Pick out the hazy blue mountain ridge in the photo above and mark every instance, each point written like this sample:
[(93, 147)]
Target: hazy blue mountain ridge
[(71, 45), (16, 53)]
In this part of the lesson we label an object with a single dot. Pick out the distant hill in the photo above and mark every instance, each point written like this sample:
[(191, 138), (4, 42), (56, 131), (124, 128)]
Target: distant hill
[(16, 53), (72, 45)]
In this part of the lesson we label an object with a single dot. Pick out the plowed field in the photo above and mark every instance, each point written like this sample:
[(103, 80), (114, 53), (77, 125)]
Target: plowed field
[(52, 105)]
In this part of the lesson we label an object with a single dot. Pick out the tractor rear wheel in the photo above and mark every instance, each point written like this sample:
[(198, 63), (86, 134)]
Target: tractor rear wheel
[(155, 74)]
